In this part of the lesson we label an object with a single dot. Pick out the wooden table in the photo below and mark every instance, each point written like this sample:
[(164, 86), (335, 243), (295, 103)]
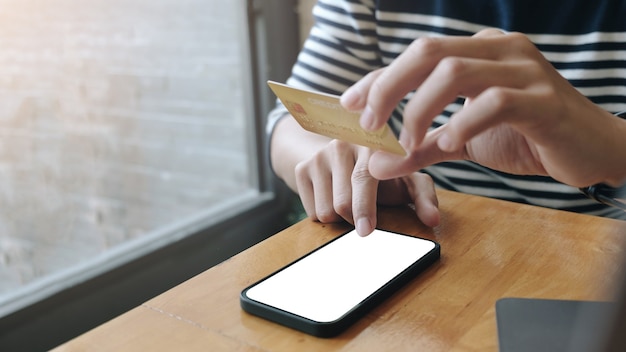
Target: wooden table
[(490, 249)]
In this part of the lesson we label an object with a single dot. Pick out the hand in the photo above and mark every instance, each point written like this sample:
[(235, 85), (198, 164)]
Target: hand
[(521, 116), (335, 184)]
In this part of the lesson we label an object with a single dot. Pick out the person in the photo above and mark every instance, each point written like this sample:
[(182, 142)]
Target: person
[(507, 99)]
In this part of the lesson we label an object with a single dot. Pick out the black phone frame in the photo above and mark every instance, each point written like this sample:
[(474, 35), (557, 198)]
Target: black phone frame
[(334, 328)]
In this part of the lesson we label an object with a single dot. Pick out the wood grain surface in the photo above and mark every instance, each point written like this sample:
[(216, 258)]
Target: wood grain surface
[(490, 249)]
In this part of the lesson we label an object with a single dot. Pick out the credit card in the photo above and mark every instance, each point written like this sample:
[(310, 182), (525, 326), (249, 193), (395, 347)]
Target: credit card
[(323, 114)]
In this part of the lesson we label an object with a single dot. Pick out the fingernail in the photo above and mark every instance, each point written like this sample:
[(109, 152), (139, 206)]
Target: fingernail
[(445, 143), (367, 119), (350, 99), (363, 227)]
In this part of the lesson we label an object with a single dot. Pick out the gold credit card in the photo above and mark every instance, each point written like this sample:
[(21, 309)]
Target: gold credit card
[(323, 114)]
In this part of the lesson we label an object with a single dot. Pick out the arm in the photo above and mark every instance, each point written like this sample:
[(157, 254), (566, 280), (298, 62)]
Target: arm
[(291, 144), (332, 177)]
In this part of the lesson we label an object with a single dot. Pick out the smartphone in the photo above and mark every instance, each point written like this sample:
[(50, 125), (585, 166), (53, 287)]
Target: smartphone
[(329, 289)]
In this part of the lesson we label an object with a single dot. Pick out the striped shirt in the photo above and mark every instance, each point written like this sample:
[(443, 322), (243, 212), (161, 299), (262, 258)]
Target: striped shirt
[(584, 40)]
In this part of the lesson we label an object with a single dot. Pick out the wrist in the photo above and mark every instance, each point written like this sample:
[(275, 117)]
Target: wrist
[(605, 194), (612, 192), (616, 167)]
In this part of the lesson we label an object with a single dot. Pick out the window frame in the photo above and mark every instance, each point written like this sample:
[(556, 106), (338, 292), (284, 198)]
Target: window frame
[(92, 298)]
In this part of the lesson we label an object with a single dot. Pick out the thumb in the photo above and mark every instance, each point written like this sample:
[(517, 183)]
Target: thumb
[(384, 166)]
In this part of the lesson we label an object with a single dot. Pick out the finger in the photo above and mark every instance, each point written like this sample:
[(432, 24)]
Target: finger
[(364, 191), (385, 166), (413, 66), (317, 198), (323, 194), (305, 191), (496, 105), (454, 77), (422, 190), (342, 165), (489, 32), (355, 97)]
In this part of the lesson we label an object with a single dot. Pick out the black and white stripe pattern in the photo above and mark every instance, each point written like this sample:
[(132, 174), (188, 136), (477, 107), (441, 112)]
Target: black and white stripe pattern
[(584, 40)]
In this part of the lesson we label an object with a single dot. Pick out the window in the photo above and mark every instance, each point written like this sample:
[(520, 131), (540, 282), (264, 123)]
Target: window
[(131, 149)]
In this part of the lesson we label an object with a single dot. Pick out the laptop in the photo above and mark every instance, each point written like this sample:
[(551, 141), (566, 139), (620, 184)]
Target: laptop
[(528, 324)]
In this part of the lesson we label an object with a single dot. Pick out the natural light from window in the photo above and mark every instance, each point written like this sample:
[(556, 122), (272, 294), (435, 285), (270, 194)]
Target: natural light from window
[(120, 122)]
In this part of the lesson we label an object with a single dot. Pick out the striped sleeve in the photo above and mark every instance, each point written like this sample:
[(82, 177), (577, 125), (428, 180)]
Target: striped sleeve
[(341, 48), (352, 38)]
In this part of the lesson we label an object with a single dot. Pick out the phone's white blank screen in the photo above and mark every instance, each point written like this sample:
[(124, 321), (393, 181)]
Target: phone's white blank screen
[(332, 280)]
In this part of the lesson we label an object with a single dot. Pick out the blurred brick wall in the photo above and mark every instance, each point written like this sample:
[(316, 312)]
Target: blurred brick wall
[(116, 117)]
